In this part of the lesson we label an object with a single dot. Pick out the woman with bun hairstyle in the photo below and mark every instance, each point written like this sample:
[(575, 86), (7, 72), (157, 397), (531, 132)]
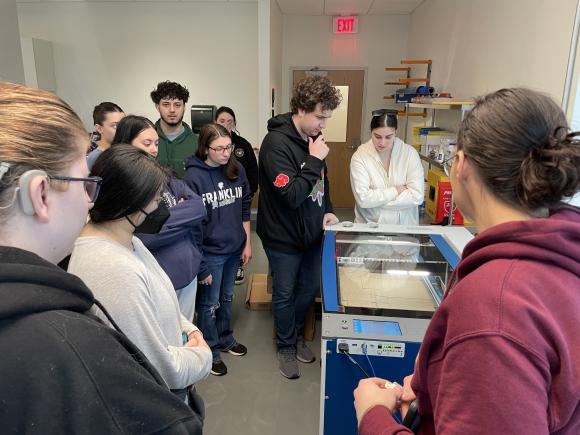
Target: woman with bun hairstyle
[(502, 352)]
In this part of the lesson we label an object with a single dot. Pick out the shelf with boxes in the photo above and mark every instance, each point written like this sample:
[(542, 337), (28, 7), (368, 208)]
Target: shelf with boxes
[(404, 95), (435, 145)]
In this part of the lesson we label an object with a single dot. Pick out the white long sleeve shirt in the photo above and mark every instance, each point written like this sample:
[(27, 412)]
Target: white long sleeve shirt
[(374, 188), (140, 298)]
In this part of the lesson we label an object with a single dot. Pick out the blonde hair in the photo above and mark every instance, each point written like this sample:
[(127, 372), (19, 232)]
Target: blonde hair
[(37, 131)]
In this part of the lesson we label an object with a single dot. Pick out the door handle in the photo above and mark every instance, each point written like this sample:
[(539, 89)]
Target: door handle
[(355, 144)]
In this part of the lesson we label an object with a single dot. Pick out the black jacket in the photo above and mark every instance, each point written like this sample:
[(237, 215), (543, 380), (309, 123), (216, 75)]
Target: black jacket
[(64, 371), (245, 155), (294, 191)]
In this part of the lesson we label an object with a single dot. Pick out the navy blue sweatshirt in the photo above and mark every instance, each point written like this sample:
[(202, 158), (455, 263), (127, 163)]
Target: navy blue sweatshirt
[(227, 203), (177, 247)]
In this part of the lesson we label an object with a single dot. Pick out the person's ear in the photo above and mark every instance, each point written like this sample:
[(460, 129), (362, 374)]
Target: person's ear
[(33, 189), (157, 107), (99, 128), (463, 167)]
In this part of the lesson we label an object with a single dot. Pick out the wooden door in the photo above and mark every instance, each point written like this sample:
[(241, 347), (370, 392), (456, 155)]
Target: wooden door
[(338, 160)]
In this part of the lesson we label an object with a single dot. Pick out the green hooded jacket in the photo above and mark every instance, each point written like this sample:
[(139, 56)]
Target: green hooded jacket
[(173, 153)]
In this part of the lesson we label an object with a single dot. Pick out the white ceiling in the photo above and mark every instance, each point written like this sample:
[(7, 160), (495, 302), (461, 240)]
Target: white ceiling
[(347, 7), (131, 1), (306, 7)]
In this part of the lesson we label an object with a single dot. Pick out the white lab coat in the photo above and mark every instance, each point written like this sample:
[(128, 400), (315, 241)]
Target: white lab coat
[(374, 189)]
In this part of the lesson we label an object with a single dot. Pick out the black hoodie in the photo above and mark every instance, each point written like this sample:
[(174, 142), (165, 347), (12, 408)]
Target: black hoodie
[(294, 191), (64, 371)]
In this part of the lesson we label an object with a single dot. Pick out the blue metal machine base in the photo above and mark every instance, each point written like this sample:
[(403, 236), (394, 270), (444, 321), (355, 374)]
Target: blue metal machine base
[(342, 377)]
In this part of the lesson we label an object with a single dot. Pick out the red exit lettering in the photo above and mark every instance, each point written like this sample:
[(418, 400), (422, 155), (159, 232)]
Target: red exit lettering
[(345, 25)]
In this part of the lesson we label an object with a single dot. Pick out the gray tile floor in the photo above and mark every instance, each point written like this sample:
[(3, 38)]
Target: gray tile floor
[(253, 398)]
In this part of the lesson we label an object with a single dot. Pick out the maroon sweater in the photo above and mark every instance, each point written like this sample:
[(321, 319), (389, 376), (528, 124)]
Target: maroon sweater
[(502, 352)]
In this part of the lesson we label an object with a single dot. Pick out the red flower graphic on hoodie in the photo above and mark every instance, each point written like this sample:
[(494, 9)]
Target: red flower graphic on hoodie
[(281, 180)]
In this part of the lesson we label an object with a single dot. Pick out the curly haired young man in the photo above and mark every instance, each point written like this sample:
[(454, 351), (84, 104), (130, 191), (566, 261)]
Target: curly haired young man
[(294, 206)]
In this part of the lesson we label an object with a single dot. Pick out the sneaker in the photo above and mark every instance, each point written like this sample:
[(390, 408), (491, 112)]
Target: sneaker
[(303, 352), (288, 365), (218, 368), (237, 349), (240, 277)]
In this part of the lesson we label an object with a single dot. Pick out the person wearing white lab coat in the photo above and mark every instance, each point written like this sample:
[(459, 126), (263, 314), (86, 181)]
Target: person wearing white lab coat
[(386, 175)]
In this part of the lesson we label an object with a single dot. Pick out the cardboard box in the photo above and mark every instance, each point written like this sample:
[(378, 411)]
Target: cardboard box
[(257, 296), (309, 324)]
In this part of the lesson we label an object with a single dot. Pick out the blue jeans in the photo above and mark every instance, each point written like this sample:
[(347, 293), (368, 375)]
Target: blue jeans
[(186, 299), (295, 284), (214, 308)]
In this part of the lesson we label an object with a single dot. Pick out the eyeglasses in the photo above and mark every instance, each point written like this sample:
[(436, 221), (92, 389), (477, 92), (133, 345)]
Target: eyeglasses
[(448, 163), (92, 184), (222, 149)]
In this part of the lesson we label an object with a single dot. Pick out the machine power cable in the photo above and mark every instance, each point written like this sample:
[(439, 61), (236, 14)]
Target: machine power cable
[(344, 351), (364, 349)]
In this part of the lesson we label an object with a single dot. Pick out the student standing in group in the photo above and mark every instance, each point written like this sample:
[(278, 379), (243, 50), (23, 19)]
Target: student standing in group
[(62, 370), (244, 153), (177, 246), (176, 139), (502, 352), (106, 117), (221, 182), (294, 206), (126, 278), (386, 175)]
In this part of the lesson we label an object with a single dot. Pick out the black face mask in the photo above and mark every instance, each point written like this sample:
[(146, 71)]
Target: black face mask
[(153, 221)]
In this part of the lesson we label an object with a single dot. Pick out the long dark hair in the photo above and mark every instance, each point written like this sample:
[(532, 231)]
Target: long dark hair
[(207, 135), (129, 128), (520, 144), (131, 179)]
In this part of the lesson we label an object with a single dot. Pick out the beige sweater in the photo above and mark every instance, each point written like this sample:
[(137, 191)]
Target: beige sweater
[(141, 299)]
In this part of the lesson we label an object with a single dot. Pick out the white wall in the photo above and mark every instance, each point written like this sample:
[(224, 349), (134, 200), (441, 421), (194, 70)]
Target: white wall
[(276, 50), (211, 48), (11, 68), (479, 46), (573, 109), (381, 42)]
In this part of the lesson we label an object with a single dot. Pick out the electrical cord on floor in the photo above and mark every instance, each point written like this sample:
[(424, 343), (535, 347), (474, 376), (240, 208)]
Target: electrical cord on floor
[(343, 348)]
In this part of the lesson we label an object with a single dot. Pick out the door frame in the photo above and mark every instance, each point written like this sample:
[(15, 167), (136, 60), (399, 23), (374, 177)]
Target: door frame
[(335, 68)]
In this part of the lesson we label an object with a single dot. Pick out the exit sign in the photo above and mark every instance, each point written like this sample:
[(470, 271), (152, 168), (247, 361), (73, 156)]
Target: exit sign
[(345, 24)]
